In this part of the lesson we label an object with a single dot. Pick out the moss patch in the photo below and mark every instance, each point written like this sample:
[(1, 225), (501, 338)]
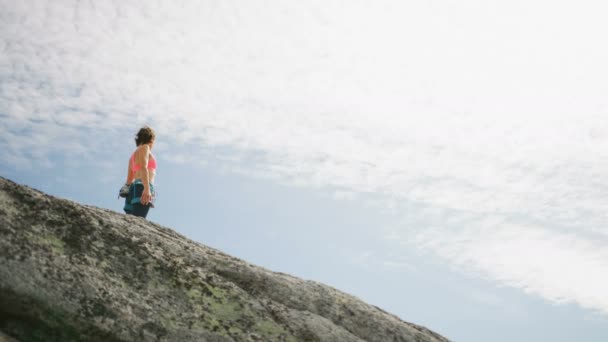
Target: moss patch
[(29, 319), (56, 245), (225, 312)]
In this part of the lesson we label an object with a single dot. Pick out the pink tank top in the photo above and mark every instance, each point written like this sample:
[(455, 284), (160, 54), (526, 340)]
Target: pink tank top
[(151, 163)]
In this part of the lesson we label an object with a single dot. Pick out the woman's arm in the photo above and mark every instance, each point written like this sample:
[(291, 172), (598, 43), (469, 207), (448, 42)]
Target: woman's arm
[(143, 154), (130, 174)]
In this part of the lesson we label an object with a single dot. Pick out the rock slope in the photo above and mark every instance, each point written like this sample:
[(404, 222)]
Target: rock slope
[(70, 272)]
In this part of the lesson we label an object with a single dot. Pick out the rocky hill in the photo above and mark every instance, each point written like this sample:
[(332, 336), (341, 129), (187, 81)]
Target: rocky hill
[(70, 272)]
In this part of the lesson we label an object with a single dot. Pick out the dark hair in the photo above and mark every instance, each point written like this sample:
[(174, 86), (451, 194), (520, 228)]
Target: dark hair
[(144, 136)]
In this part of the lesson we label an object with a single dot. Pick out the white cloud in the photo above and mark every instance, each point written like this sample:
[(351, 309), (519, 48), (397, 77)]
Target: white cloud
[(467, 110), (562, 267)]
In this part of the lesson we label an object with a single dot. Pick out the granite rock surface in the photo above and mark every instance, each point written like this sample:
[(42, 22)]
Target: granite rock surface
[(71, 272)]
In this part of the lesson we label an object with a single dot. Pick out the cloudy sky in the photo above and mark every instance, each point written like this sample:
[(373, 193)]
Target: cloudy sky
[(454, 151)]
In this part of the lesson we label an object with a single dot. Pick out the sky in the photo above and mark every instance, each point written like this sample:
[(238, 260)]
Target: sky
[(440, 159)]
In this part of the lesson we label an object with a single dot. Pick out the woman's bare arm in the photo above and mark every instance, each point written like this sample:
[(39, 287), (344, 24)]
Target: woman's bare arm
[(142, 156), (130, 174)]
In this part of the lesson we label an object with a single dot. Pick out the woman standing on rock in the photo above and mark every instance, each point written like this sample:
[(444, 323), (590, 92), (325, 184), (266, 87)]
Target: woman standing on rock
[(140, 177)]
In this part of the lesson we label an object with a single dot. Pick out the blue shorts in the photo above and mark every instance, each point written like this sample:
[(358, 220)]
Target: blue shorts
[(133, 204)]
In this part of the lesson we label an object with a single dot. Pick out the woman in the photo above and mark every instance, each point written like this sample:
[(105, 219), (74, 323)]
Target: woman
[(140, 176)]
